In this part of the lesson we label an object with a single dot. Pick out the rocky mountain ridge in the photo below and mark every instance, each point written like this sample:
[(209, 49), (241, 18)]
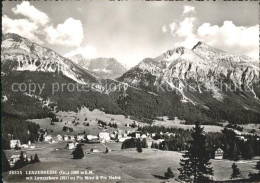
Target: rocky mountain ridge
[(20, 54), (101, 67), (201, 66)]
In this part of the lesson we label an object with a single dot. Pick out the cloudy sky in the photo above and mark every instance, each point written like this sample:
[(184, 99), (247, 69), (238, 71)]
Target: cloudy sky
[(132, 30)]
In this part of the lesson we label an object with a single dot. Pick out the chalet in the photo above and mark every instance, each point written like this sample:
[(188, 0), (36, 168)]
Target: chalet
[(13, 143), (71, 145), (123, 139), (56, 139), (24, 146), (47, 138), (104, 136), (143, 136), (65, 138), (219, 153), (80, 137), (31, 147), (92, 139), (72, 137), (112, 136), (59, 138)]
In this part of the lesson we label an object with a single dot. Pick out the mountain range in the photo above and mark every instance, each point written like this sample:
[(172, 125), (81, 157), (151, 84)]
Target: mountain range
[(101, 67), (200, 84)]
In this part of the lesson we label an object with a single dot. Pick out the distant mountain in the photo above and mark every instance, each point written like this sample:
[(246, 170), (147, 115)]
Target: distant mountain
[(205, 77), (20, 54), (101, 67), (28, 63)]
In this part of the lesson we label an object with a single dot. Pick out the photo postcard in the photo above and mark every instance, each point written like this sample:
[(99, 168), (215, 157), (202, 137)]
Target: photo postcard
[(130, 91)]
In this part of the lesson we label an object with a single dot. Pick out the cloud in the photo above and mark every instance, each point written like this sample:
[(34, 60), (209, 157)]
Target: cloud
[(87, 52), (242, 40), (172, 27), (188, 9), (164, 29), (22, 27), (185, 27), (35, 23), (70, 33), (229, 36), (31, 12)]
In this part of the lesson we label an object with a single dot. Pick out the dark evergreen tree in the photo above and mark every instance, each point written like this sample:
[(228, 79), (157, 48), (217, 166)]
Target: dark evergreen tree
[(5, 163), (31, 160), (255, 176), (195, 167), (17, 147), (36, 159), (144, 143), (78, 153), (41, 137), (169, 174), (139, 146), (21, 162), (235, 172)]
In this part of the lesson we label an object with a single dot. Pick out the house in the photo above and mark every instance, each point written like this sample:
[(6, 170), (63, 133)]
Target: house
[(71, 145), (123, 139), (47, 138), (219, 153), (143, 136), (65, 138), (59, 138), (31, 147), (80, 137), (93, 139), (112, 136), (24, 146), (72, 137), (13, 143), (104, 136)]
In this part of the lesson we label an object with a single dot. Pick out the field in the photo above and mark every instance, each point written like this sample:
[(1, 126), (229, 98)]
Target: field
[(132, 166), (80, 117)]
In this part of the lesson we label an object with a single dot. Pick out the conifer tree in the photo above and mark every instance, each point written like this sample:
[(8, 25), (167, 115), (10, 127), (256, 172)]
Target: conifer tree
[(235, 171), (255, 176), (195, 165), (169, 174), (139, 146), (144, 143), (36, 159), (78, 153), (31, 160)]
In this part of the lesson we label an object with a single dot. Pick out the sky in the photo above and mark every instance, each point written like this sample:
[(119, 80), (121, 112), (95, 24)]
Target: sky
[(133, 30)]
